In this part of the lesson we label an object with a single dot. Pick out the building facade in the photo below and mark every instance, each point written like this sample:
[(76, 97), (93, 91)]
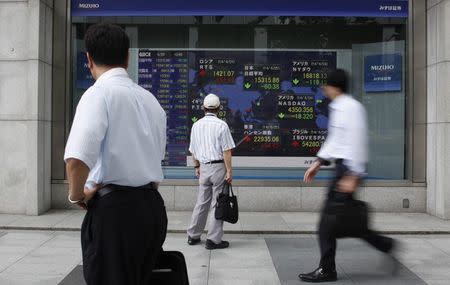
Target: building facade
[(266, 61)]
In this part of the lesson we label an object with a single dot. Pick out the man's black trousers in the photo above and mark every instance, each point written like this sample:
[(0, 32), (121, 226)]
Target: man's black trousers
[(122, 236), (329, 227)]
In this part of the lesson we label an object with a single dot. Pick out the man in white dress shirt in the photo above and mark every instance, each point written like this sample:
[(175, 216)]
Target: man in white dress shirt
[(347, 146), (113, 156), (210, 146)]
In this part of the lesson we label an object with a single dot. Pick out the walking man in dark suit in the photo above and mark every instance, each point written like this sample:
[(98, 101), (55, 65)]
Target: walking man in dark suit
[(346, 145)]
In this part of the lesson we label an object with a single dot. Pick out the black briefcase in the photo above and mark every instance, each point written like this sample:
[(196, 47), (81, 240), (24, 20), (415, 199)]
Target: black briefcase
[(351, 217), (170, 269), (227, 208)]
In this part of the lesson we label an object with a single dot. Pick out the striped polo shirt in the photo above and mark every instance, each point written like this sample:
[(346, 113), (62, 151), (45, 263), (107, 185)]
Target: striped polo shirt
[(210, 137)]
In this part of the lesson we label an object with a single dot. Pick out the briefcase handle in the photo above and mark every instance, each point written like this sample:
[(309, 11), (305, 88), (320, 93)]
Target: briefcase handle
[(229, 187)]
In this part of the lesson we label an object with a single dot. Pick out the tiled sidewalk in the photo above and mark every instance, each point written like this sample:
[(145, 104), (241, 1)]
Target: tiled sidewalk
[(47, 257), (249, 222)]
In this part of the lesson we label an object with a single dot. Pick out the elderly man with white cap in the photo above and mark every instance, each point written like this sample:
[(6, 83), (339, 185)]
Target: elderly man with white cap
[(211, 145)]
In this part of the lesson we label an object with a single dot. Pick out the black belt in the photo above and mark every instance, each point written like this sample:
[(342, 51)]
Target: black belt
[(109, 188), (214, 161)]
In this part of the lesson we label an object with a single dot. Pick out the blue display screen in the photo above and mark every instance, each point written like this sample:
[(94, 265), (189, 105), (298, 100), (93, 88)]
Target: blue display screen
[(270, 99), (165, 74), (343, 8)]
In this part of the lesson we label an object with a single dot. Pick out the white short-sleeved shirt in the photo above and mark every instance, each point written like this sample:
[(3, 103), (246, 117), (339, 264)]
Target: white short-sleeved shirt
[(347, 134), (119, 132), (210, 137)]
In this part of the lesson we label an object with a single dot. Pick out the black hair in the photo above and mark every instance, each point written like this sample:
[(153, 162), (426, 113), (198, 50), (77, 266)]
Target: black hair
[(338, 78), (107, 44)]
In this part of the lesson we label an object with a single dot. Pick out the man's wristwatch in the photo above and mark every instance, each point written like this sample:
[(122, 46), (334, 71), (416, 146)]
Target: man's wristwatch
[(77, 201)]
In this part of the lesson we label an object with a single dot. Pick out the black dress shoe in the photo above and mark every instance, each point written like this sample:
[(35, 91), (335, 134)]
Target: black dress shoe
[(212, 245), (319, 275), (193, 241)]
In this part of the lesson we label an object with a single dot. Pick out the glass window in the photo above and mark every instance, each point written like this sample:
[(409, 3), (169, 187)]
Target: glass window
[(268, 71)]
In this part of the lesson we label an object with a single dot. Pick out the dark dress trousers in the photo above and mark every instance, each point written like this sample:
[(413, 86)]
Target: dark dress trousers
[(330, 225), (122, 236)]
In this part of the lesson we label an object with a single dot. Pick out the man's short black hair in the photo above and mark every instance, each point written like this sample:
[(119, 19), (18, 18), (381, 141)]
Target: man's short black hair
[(107, 44), (338, 78)]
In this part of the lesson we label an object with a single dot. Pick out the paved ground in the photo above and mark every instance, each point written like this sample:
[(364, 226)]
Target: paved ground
[(254, 222), (46, 249), (46, 257)]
